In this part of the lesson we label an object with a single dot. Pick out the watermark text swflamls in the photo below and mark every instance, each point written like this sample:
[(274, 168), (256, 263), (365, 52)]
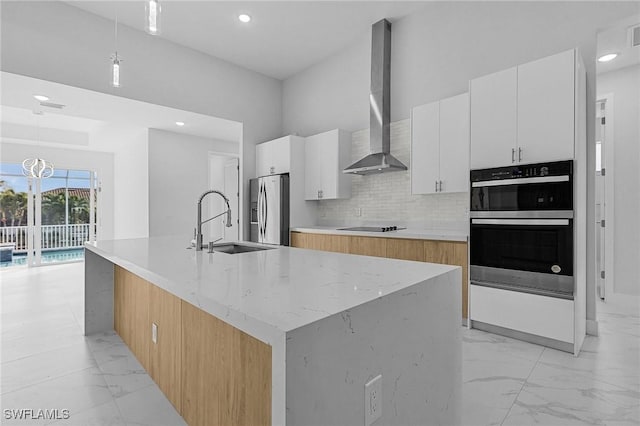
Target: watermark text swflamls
[(36, 414)]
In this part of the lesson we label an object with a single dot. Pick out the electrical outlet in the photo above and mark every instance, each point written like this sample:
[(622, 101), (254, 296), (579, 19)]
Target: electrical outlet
[(373, 400), (154, 332), (358, 211)]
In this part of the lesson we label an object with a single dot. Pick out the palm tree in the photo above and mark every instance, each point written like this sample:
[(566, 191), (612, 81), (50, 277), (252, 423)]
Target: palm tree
[(13, 207)]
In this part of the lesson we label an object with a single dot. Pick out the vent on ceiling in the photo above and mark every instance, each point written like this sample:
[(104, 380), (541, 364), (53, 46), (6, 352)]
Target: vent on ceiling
[(52, 105), (634, 35)]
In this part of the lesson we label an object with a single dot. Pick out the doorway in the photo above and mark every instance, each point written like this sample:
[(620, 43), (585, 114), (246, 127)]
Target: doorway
[(225, 177), (46, 221)]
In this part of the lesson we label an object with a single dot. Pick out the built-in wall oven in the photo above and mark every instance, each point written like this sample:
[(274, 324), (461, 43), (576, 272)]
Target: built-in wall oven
[(522, 228)]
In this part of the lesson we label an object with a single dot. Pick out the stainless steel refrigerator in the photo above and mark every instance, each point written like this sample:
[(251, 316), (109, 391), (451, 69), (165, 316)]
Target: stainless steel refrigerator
[(270, 209)]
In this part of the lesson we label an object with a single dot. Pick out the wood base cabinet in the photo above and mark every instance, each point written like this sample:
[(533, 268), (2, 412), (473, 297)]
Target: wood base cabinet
[(434, 251), (212, 373)]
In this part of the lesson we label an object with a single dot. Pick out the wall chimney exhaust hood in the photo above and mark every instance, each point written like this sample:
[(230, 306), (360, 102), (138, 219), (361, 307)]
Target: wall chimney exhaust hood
[(380, 160)]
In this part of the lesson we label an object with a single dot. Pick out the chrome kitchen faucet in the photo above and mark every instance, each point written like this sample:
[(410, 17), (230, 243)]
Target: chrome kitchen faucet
[(201, 222)]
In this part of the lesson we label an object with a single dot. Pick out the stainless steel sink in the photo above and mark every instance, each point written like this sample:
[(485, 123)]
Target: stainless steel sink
[(234, 248)]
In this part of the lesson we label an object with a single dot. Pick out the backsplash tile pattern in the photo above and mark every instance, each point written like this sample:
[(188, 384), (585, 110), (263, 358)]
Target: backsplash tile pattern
[(386, 198)]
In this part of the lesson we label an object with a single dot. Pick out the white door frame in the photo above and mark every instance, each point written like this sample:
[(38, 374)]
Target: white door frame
[(238, 215), (609, 188)]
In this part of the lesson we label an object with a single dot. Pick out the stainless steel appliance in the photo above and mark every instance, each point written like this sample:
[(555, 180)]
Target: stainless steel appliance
[(522, 229), (269, 213)]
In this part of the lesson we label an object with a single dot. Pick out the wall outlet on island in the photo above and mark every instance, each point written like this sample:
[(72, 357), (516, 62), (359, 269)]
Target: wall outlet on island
[(357, 211), (373, 400)]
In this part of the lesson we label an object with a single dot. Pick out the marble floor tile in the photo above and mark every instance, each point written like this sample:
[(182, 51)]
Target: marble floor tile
[(76, 392), (106, 414), (148, 407), (125, 375), (46, 362), (555, 395), (45, 366)]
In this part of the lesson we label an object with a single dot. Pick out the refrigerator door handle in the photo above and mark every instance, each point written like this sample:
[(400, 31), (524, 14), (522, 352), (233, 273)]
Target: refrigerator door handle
[(260, 216)]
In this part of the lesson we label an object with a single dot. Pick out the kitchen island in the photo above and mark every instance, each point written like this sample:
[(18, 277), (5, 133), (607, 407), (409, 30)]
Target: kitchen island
[(282, 336)]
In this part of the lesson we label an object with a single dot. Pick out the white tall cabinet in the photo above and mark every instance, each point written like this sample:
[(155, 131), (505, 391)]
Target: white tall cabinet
[(274, 157), (524, 114), (440, 146), (326, 155)]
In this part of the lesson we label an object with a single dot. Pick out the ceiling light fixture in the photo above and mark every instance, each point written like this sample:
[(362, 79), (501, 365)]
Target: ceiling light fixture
[(37, 168), (244, 18), (41, 98), (153, 10), (115, 59), (608, 57), (180, 123)]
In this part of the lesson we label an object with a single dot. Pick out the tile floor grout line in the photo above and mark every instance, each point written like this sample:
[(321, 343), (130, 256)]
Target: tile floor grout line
[(535, 364)]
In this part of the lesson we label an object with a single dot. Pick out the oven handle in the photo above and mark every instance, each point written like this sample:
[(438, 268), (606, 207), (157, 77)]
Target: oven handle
[(520, 181), (534, 222)]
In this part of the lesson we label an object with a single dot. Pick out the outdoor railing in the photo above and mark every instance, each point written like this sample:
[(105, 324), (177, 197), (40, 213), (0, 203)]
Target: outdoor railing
[(53, 236)]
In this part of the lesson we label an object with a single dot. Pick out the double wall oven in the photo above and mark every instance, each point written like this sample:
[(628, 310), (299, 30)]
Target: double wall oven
[(522, 229)]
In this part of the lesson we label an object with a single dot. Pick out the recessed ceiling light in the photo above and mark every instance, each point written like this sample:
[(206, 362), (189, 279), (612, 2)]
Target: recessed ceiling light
[(41, 98), (180, 123), (608, 57), (244, 18)]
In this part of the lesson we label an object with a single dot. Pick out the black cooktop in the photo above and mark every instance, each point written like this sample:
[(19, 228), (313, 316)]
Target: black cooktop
[(372, 228)]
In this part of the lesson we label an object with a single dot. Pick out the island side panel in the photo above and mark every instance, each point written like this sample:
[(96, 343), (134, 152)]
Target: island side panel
[(98, 294), (411, 337)]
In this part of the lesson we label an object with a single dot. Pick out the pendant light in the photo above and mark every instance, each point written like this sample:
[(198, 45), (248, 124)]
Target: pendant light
[(37, 168), (115, 59), (152, 16)]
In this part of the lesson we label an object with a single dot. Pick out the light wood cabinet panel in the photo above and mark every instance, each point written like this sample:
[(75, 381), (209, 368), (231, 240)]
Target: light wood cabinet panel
[(131, 313), (451, 253), (368, 246), (226, 373), (165, 356), (324, 242), (405, 249)]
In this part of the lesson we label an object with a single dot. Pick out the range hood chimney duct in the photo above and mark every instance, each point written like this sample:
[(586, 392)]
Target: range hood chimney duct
[(380, 160)]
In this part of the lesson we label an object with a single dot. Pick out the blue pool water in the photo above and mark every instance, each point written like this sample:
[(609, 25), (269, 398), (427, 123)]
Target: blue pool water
[(52, 256)]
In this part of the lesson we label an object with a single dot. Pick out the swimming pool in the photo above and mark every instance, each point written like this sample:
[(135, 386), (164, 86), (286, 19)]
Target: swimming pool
[(51, 256)]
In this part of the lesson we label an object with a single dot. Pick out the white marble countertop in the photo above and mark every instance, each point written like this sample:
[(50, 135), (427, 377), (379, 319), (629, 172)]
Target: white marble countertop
[(268, 291), (409, 233)]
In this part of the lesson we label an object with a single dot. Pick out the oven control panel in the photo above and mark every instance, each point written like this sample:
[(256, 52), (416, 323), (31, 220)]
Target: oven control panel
[(557, 168)]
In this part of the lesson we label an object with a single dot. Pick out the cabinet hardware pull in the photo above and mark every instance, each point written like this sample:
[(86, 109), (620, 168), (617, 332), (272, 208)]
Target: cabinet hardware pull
[(440, 186), (519, 154), (436, 186), (513, 155)]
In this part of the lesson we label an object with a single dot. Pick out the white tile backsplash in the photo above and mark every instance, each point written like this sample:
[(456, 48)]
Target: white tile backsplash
[(386, 198)]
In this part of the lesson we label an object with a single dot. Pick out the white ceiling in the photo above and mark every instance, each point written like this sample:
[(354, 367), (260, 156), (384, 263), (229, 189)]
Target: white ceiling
[(283, 38), (85, 110), (617, 40)]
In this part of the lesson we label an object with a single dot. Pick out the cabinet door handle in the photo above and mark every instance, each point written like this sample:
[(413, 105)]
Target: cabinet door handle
[(513, 155), (440, 186), (436, 186), (519, 154), (272, 170)]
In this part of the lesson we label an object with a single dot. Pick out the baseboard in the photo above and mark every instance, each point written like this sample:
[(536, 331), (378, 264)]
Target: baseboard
[(520, 335), (592, 327)]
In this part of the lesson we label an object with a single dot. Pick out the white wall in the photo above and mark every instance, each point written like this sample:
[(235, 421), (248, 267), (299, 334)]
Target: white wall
[(178, 175), (57, 42), (436, 52), (624, 84)]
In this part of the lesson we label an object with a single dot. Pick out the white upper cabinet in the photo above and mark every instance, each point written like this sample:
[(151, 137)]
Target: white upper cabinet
[(493, 119), (326, 155), (454, 144), (524, 114), (274, 157), (546, 108), (440, 146), (425, 148)]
